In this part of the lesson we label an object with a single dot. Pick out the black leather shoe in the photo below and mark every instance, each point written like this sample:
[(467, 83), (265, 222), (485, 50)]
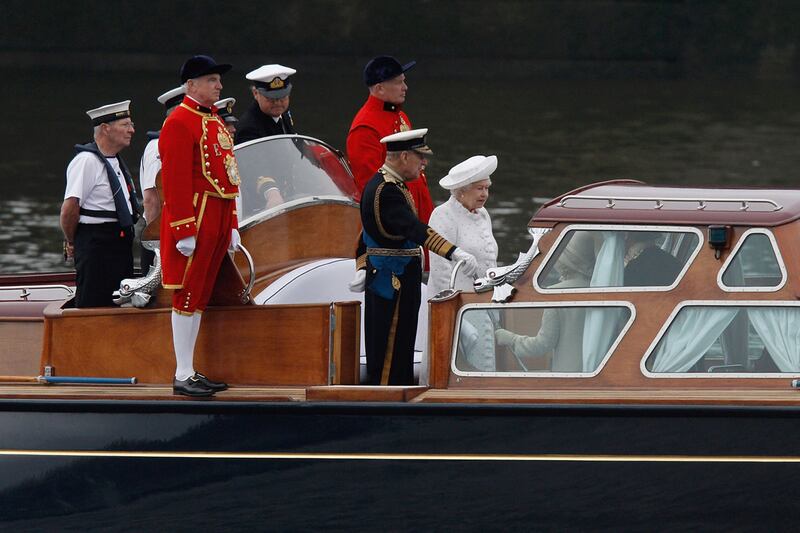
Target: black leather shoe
[(216, 386), (191, 387)]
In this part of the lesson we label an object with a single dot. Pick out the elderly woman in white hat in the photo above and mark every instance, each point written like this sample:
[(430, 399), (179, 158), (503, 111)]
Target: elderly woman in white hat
[(464, 221)]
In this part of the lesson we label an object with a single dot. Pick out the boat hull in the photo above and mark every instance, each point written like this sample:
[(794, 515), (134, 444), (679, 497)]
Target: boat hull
[(150, 465)]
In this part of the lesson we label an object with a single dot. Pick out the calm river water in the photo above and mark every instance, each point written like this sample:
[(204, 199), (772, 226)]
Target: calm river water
[(549, 136)]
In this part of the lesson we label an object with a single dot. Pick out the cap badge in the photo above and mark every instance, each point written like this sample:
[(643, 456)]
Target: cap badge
[(276, 83)]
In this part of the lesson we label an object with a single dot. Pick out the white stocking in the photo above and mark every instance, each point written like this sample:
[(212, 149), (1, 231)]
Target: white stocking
[(184, 334)]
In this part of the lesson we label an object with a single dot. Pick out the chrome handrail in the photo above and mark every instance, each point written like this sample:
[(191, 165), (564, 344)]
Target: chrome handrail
[(702, 203), (25, 290), (245, 294)]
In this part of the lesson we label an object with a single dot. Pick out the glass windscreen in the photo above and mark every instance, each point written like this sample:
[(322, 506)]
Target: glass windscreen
[(284, 169), (754, 265), (618, 258), (567, 338), (729, 339)]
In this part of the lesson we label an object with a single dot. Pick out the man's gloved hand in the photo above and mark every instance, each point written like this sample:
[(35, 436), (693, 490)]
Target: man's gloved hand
[(357, 285), (470, 263), (236, 239), (504, 337), (186, 245)]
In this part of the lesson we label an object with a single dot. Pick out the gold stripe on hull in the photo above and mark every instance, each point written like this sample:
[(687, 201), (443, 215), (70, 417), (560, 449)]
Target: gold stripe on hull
[(310, 456)]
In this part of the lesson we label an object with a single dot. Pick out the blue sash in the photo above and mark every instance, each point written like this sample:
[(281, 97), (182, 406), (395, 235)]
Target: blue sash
[(386, 266)]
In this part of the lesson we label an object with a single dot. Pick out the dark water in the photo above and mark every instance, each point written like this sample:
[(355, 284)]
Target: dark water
[(549, 137)]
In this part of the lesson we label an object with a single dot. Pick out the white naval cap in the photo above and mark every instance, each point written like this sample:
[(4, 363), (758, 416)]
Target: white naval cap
[(270, 80), (408, 140), (225, 108), (110, 112), (172, 97), (476, 168)]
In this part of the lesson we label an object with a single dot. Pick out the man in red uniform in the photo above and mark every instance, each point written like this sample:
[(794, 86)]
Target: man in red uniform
[(381, 115), (198, 223)]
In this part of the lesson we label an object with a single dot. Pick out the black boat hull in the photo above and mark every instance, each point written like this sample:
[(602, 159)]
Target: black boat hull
[(266, 466)]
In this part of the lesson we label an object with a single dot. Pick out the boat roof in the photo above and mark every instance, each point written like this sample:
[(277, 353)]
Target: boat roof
[(631, 201)]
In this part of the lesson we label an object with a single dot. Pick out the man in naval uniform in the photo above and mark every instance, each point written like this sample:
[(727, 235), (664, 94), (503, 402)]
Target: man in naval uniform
[(225, 110), (269, 114), (382, 115), (200, 182), (390, 267), (100, 208), (149, 169)]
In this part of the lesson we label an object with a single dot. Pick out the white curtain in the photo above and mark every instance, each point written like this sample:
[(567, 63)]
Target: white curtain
[(602, 325), (690, 336), (779, 328)]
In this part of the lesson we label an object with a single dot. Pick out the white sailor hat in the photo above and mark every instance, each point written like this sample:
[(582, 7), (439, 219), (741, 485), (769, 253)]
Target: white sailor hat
[(225, 109), (413, 140), (172, 97), (110, 112), (270, 80), (476, 168)]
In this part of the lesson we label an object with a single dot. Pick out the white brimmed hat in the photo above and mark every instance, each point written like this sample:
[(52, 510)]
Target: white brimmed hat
[(413, 140), (172, 97), (110, 112), (270, 80), (476, 168)]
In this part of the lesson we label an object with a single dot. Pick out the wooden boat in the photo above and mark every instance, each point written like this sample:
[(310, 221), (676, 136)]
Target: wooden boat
[(674, 407)]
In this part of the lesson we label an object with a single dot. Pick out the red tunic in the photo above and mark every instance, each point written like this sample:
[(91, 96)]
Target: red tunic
[(200, 181), (374, 121)]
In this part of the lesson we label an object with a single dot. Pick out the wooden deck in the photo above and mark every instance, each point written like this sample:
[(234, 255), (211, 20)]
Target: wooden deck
[(411, 394)]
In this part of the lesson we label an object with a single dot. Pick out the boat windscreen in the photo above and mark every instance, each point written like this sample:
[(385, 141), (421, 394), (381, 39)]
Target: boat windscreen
[(284, 169)]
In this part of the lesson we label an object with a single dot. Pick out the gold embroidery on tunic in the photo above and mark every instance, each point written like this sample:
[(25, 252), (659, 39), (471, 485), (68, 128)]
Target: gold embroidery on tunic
[(232, 169), (224, 139)]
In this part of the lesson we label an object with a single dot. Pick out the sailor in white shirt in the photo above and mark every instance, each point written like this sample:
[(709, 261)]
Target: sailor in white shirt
[(150, 167), (100, 208)]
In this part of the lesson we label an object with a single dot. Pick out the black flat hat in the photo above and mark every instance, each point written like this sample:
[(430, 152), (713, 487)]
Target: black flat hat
[(384, 68), (201, 66)]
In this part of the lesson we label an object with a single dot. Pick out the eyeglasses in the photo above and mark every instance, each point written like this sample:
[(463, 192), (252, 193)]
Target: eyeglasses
[(124, 125)]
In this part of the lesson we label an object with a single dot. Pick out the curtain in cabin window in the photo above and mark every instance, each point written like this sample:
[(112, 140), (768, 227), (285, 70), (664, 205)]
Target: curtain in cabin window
[(779, 329), (690, 336), (602, 325)]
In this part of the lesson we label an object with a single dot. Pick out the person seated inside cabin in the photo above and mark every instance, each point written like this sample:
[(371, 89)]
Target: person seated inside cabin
[(267, 188), (561, 331), (646, 263)]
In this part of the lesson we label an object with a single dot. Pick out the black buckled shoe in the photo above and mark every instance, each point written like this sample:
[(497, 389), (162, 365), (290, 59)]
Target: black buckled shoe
[(191, 387), (216, 386)]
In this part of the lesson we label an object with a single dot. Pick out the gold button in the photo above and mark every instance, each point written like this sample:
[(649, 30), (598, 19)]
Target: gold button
[(205, 147), (208, 164), (216, 181), (187, 225), (223, 189)]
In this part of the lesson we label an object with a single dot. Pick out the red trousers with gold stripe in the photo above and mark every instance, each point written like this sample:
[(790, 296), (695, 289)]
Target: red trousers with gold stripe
[(214, 225)]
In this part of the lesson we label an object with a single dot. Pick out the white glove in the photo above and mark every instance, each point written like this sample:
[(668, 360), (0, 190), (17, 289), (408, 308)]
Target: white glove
[(236, 239), (186, 245), (357, 285), (470, 263), (504, 337)]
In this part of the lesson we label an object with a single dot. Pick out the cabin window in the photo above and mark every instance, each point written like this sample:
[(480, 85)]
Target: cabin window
[(754, 265), (556, 339), (746, 338), (599, 258)]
